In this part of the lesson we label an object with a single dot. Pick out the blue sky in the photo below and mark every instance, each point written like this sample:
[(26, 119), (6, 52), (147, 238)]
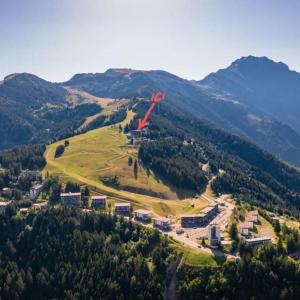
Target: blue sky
[(55, 39)]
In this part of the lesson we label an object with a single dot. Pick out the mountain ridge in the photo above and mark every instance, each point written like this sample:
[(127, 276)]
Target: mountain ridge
[(195, 97), (225, 98), (266, 85)]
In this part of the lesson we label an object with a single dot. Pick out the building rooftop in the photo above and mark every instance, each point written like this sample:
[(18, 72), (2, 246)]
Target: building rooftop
[(258, 239), (143, 211), (40, 204), (122, 204), (253, 213), (24, 209), (162, 219), (193, 216), (247, 224), (98, 197), (70, 194)]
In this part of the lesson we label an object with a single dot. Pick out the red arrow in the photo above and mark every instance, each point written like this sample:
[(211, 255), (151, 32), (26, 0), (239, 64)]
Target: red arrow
[(155, 98)]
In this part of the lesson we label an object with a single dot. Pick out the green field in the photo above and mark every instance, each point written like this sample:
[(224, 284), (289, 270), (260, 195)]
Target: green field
[(105, 152), (196, 257)]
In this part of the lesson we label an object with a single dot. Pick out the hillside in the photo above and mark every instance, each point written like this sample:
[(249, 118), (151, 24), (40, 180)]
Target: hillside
[(33, 110), (249, 173), (104, 152), (180, 144), (199, 99), (255, 98), (65, 254), (260, 83)]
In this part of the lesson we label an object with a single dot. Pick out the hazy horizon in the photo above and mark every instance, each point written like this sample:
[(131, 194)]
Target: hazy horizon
[(55, 40)]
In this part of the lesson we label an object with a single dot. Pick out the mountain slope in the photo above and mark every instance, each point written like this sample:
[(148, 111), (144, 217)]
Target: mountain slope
[(31, 90), (33, 110), (260, 83), (200, 100), (248, 172)]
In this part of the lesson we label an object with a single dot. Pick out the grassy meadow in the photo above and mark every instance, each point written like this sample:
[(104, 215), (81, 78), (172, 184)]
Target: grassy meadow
[(105, 152)]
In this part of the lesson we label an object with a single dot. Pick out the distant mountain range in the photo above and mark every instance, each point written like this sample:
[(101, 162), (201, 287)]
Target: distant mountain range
[(255, 98)]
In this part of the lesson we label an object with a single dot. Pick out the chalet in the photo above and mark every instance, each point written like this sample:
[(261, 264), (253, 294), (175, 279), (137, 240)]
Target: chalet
[(245, 228), (122, 208), (42, 205), (35, 191), (3, 206), (98, 201), (258, 241), (70, 198), (163, 223), (142, 214), (252, 216)]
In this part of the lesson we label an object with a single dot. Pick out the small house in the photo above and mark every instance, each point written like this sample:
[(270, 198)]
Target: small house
[(122, 208), (42, 205), (163, 223), (70, 198), (23, 211), (244, 229), (252, 216), (142, 214), (35, 191), (98, 201)]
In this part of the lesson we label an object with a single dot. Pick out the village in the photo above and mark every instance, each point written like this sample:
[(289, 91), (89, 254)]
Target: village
[(206, 229)]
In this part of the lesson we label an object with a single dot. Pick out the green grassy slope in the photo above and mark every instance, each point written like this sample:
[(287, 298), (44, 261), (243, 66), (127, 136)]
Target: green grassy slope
[(104, 152)]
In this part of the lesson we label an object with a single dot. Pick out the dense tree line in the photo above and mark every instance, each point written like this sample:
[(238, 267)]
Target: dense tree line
[(102, 120), (64, 254), (176, 161), (65, 122), (263, 274), (52, 189), (290, 236), (24, 157)]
